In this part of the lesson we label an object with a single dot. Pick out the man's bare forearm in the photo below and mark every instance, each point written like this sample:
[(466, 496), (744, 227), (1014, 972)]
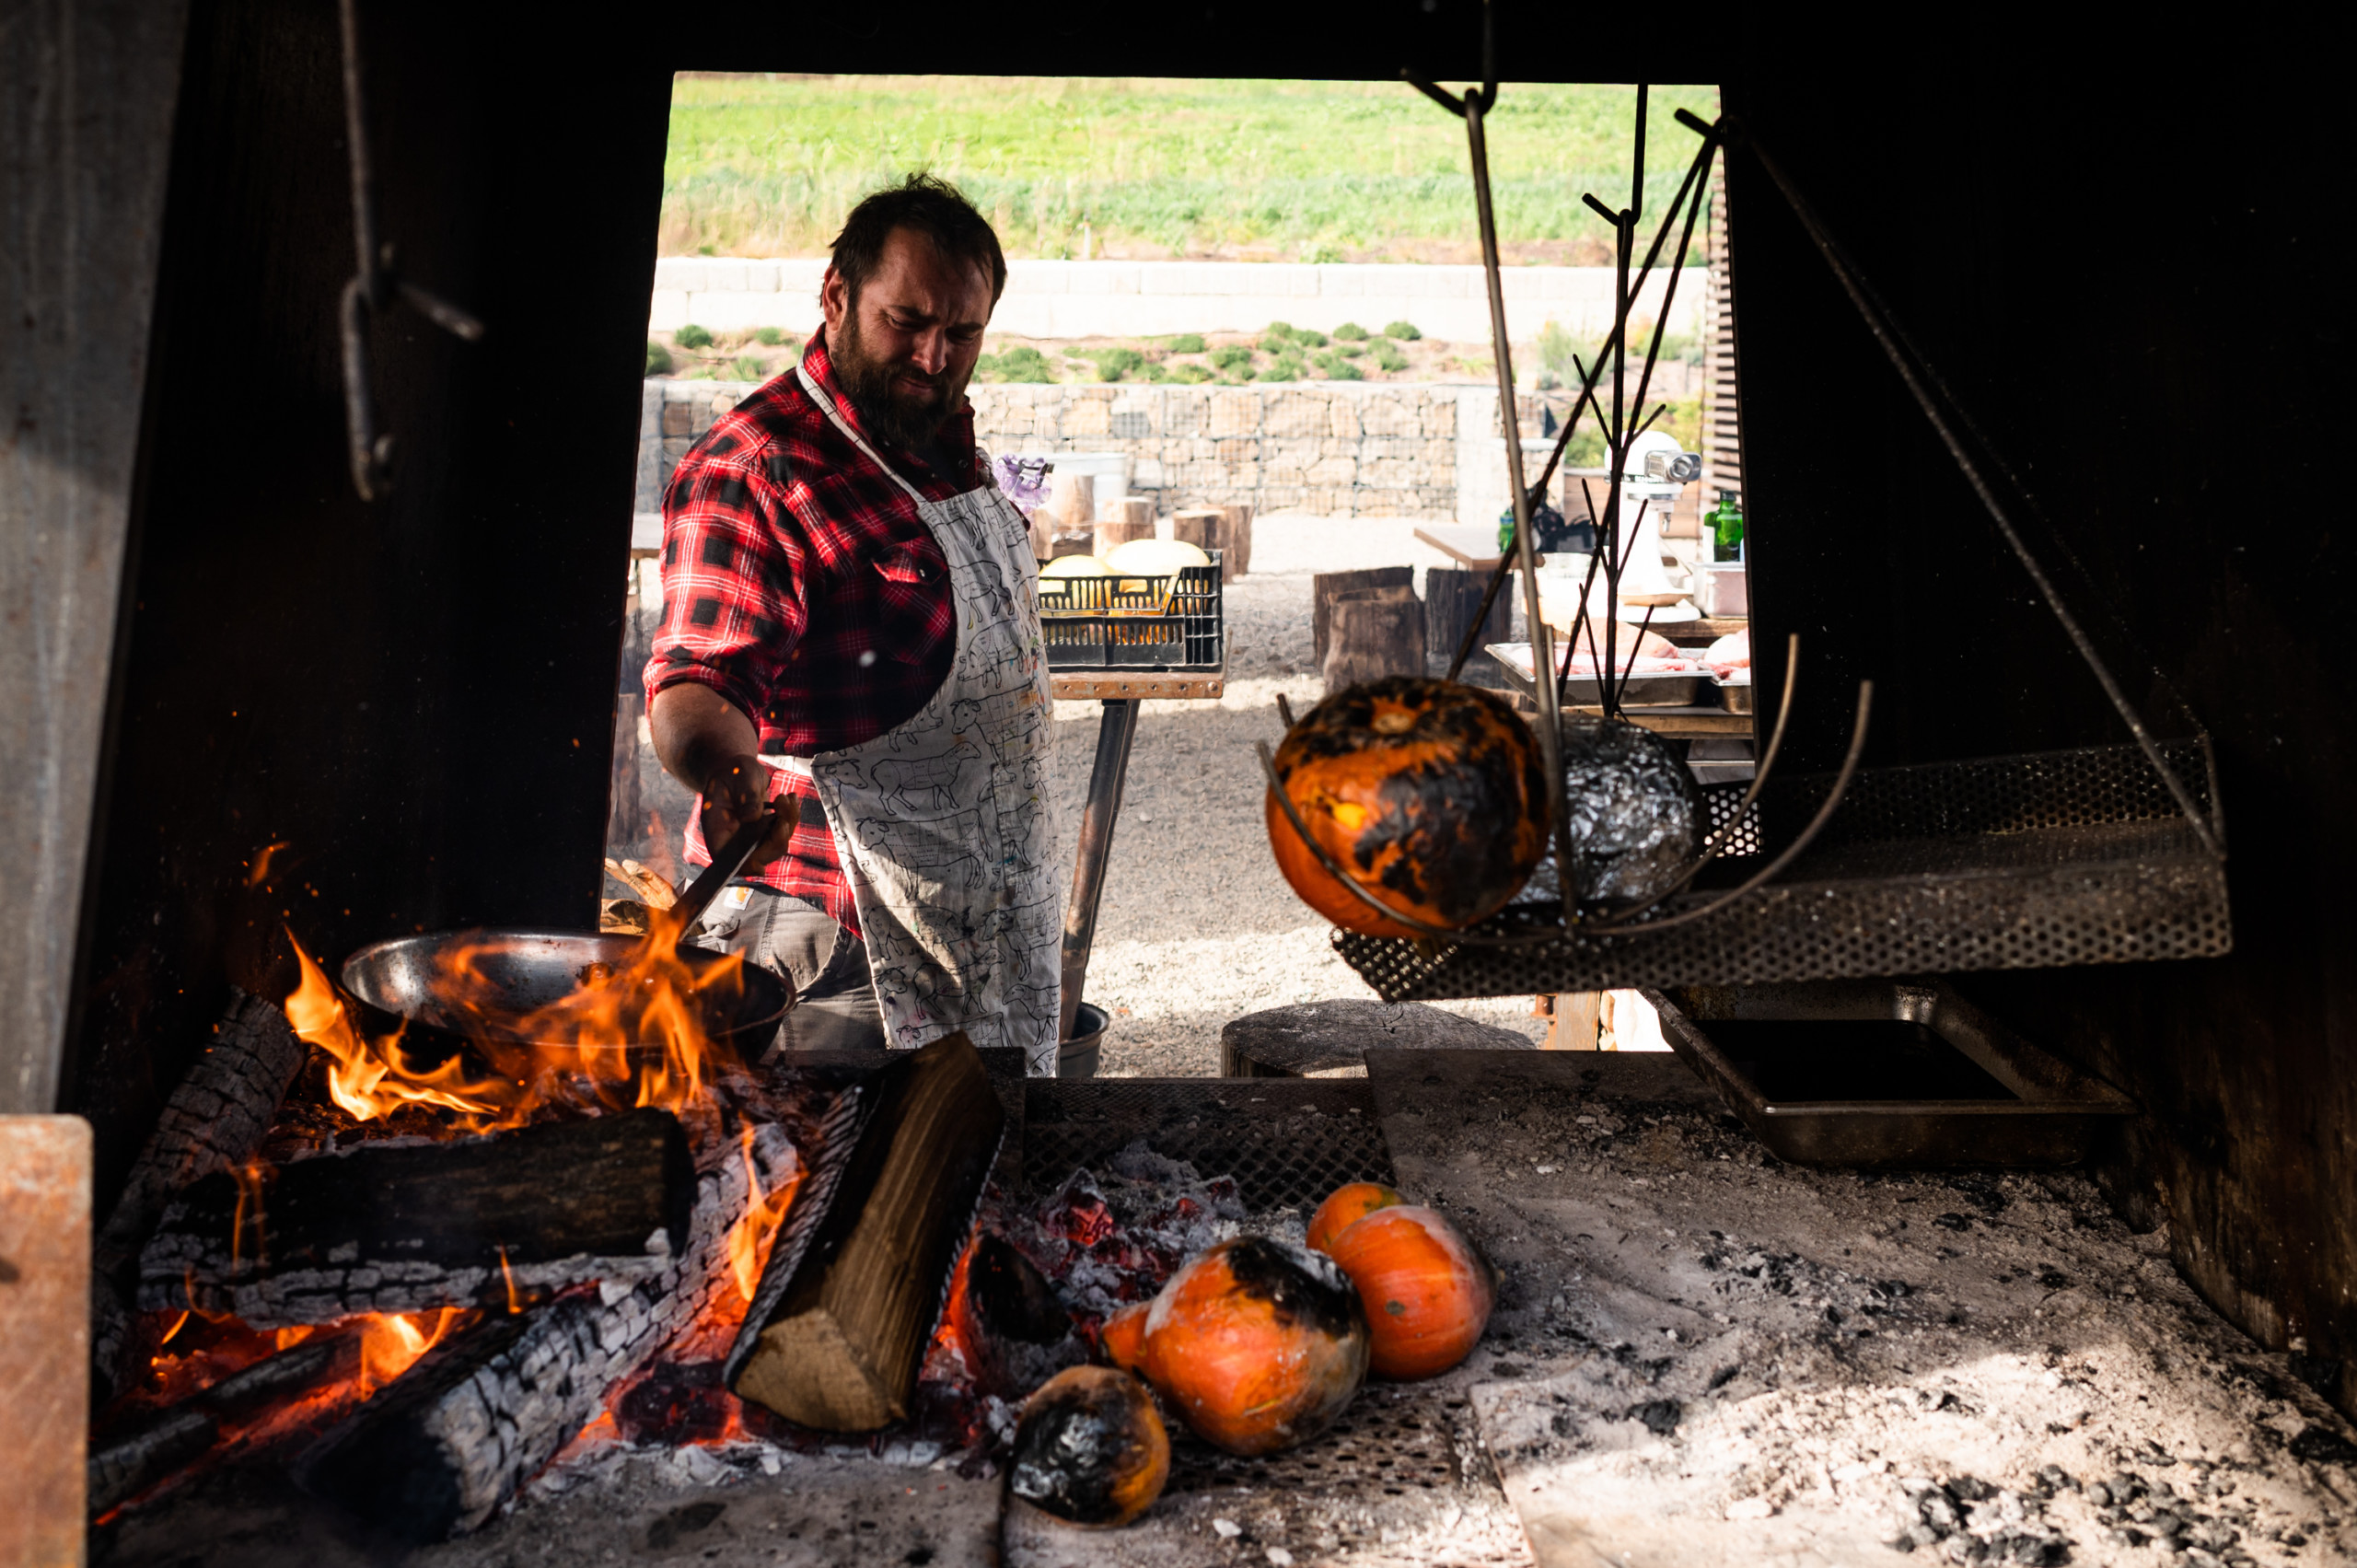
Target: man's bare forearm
[(698, 733)]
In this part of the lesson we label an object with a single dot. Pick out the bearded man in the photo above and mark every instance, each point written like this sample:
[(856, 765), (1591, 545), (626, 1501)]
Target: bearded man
[(851, 625)]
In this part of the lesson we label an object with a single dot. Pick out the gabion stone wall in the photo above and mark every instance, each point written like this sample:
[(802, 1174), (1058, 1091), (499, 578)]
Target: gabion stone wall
[(1337, 449)]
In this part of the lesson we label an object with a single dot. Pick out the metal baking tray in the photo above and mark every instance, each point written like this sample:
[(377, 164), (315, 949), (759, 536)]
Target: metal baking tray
[(1733, 695), (1642, 691), (1956, 1087)]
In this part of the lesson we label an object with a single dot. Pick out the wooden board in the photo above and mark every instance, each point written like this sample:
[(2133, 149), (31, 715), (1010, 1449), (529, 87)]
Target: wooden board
[(1094, 687), (44, 1322), (1325, 585)]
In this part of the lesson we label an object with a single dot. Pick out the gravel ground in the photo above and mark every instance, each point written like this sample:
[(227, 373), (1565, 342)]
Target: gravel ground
[(1196, 926)]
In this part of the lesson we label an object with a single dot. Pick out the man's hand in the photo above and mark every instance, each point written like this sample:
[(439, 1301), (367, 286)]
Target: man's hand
[(706, 742), (736, 794)]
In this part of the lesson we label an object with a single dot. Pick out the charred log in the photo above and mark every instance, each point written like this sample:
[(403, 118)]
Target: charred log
[(473, 1222), (215, 1120), (126, 1463), (856, 1282), (451, 1440)]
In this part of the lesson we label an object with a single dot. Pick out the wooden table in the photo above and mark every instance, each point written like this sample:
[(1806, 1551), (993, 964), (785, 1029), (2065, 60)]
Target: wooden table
[(1468, 544), (1120, 693)]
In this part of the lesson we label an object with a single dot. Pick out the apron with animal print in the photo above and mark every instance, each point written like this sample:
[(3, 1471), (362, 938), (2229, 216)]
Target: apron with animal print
[(942, 823)]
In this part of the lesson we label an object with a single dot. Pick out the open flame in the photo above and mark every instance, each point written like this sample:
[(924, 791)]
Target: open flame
[(629, 1036), (391, 1344), (751, 1237)]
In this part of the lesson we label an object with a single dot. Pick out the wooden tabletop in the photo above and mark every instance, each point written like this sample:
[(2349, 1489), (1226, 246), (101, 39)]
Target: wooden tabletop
[(1470, 544), (1092, 685)]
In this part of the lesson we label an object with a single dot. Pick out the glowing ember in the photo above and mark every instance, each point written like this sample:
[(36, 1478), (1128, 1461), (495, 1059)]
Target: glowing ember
[(391, 1346)]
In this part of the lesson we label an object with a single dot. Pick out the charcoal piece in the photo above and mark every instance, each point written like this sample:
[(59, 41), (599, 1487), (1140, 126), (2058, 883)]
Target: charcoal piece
[(125, 1463), (1634, 812), (1010, 1297), (417, 1226)]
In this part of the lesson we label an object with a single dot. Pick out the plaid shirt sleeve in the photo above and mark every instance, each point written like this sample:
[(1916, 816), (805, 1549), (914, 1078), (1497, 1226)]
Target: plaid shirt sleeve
[(734, 609)]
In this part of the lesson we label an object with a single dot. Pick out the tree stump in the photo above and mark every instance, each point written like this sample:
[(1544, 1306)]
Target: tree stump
[(1372, 633), (1215, 528), (1063, 522), (1325, 585), (1118, 522), (1331, 1039), (1452, 599), (1236, 539)]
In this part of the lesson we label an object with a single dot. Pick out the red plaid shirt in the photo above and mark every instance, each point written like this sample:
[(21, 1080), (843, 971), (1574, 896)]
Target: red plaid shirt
[(799, 583)]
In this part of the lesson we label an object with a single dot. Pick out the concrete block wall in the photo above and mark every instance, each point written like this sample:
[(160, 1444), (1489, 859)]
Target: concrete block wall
[(1337, 448)]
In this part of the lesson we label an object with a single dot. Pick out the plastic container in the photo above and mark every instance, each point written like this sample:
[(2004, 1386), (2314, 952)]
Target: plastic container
[(1136, 623)]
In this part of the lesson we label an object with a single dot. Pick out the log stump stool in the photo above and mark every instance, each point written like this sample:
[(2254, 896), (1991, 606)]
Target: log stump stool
[(1328, 1039)]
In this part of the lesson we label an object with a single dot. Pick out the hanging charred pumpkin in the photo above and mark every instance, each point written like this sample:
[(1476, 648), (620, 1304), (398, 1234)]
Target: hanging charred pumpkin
[(1430, 793), (1258, 1346)]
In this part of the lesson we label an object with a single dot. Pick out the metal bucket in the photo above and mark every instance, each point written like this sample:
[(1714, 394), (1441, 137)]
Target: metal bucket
[(1076, 1057)]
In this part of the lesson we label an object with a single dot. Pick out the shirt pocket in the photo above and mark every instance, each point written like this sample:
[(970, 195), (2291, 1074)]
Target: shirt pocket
[(912, 594)]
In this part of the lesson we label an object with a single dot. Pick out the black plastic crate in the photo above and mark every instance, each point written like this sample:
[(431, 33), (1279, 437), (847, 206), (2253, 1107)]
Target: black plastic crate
[(1132, 621)]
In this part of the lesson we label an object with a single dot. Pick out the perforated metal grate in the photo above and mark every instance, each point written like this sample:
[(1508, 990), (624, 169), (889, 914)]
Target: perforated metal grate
[(1287, 1143), (1393, 1440), (2061, 858)]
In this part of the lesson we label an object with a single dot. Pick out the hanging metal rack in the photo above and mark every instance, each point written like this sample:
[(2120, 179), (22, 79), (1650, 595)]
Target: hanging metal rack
[(2099, 854)]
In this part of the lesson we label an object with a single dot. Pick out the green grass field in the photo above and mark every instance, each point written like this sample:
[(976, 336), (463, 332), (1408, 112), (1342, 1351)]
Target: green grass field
[(1245, 169)]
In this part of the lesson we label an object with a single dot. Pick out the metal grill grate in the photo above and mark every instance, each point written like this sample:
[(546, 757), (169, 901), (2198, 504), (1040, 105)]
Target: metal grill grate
[(1395, 1441), (1286, 1143), (2060, 858)]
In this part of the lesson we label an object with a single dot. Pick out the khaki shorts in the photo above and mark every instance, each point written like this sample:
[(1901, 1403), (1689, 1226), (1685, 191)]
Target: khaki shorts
[(835, 1006)]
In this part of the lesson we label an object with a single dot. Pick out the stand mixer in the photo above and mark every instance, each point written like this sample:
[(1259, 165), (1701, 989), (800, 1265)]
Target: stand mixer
[(1657, 468)]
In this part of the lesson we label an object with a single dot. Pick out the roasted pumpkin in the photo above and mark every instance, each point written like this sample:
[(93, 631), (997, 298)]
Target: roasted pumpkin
[(1090, 1447), (1430, 793), (1257, 1344), (1124, 1335), (1345, 1206), (1427, 1291)]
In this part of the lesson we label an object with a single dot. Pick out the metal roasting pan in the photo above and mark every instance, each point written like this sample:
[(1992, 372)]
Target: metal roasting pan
[(2050, 1115), (530, 970)]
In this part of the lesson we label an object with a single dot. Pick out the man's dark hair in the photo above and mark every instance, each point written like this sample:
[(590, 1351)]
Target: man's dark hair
[(932, 207)]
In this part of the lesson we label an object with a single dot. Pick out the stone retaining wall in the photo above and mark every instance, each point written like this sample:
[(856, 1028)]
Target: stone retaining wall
[(1336, 448)]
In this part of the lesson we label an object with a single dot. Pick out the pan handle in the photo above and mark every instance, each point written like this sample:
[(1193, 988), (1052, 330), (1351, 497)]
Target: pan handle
[(725, 866)]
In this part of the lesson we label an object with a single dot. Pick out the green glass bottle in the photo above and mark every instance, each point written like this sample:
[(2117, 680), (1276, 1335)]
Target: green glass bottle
[(1727, 529)]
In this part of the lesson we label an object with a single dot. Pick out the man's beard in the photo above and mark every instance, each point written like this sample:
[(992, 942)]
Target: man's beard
[(914, 422)]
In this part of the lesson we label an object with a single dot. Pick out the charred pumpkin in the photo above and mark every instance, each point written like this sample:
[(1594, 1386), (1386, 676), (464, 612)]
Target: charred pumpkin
[(1430, 793), (1123, 1336), (1258, 1346), (1427, 1291), (1090, 1448)]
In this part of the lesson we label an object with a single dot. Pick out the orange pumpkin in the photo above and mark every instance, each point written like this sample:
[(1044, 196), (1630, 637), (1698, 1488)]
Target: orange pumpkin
[(1345, 1206), (1426, 1290), (1090, 1447), (1124, 1335), (1257, 1344), (1428, 793)]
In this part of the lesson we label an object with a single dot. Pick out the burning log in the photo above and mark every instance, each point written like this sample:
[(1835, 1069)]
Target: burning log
[(475, 1222), (128, 1462), (439, 1451), (855, 1282), (215, 1121)]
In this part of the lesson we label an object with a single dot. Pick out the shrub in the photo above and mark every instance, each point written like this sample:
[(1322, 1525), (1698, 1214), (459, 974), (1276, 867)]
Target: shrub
[(1276, 343), (1350, 332), (1388, 357), (1287, 367), (1304, 335), (750, 367), (1231, 356), (1113, 364), (1350, 351), (1188, 373), (1343, 370), (1557, 351), (1278, 329), (1187, 343), (769, 337), (1404, 331), (658, 359), (692, 336), (1021, 363)]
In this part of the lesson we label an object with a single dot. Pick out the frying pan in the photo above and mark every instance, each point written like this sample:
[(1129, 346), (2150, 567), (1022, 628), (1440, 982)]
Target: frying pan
[(526, 970)]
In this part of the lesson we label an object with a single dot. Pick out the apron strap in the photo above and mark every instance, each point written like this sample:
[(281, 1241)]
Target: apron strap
[(834, 416)]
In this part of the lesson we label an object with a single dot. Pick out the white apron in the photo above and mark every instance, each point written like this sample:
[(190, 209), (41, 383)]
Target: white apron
[(942, 823)]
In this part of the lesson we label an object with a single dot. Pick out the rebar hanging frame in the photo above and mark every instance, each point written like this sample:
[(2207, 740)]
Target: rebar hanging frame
[(374, 285)]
